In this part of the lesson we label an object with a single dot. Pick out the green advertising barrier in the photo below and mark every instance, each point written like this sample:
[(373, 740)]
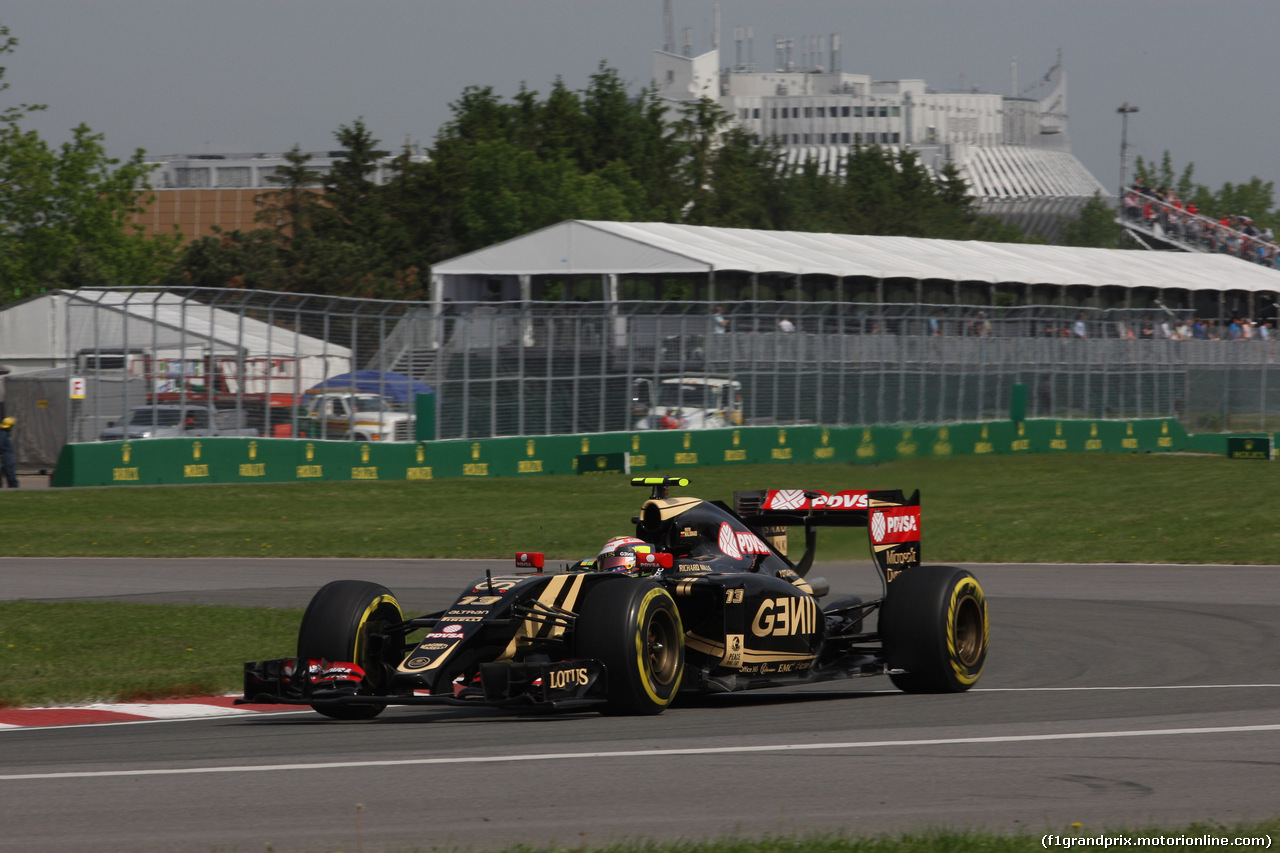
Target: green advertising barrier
[(1253, 447), (287, 460), (1220, 443)]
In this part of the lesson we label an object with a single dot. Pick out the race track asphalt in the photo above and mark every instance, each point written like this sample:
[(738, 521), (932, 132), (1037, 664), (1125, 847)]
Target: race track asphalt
[(1113, 696)]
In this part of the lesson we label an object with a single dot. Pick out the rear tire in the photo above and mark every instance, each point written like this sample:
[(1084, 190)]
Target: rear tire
[(634, 628), (338, 625), (934, 626)]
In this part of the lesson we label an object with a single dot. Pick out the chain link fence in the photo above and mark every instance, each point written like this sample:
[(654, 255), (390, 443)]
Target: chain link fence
[(541, 368)]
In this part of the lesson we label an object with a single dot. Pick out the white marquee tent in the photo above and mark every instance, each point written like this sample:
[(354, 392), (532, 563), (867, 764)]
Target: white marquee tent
[(611, 249), (47, 331)]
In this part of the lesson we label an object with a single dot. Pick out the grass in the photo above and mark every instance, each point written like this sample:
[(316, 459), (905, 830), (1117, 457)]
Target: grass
[(131, 652), (1086, 508), (946, 841)]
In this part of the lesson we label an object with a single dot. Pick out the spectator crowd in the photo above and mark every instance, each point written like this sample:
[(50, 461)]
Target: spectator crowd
[(1163, 212)]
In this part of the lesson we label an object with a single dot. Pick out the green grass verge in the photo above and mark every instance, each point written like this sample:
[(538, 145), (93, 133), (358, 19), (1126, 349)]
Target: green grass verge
[(933, 841), (1075, 836), (82, 651), (1087, 508)]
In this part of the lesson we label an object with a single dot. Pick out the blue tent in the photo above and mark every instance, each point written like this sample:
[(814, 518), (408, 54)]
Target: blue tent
[(396, 387)]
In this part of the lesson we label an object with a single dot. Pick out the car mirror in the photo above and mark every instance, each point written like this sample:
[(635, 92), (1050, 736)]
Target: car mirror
[(529, 560), (660, 560)]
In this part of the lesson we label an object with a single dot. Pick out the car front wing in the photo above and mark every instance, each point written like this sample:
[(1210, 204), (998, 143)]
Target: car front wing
[(549, 686)]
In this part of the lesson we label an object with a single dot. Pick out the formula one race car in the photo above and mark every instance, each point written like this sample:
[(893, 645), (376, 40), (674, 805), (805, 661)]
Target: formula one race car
[(702, 599)]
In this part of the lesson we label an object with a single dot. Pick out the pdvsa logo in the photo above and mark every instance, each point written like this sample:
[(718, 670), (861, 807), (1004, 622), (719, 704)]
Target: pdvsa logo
[(901, 524), (841, 500), (735, 543), (448, 632), (800, 499), (786, 499)]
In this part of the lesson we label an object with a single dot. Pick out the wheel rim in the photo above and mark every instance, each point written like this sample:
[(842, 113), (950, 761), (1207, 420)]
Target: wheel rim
[(968, 631), (663, 647), (378, 670)]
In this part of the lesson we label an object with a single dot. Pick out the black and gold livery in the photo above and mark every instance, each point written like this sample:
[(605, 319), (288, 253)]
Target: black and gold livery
[(719, 607)]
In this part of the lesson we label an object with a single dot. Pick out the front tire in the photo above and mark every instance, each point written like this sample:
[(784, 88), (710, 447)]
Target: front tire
[(341, 624), (634, 628), (934, 627)]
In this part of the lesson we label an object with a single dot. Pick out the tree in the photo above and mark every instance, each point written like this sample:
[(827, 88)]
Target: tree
[(291, 210), (1095, 226), (498, 169), (68, 214), (697, 133), (334, 234), (891, 192), (248, 259), (350, 191), (11, 115), (746, 186)]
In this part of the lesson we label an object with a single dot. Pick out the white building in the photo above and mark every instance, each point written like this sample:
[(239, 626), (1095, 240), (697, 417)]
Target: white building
[(246, 171), (1012, 151)]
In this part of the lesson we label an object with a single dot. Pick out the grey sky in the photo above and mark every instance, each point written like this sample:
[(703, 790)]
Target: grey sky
[(197, 76)]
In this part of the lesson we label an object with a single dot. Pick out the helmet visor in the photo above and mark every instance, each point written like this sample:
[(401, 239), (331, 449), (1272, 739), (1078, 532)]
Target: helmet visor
[(616, 563)]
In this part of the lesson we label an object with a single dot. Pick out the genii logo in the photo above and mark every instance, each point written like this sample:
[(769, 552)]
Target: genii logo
[(898, 524), (782, 617)]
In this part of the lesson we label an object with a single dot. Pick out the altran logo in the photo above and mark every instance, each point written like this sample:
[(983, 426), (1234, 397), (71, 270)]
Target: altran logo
[(895, 525)]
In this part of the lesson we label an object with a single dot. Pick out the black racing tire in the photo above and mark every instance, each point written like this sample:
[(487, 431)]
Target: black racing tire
[(934, 627), (634, 628), (337, 626)]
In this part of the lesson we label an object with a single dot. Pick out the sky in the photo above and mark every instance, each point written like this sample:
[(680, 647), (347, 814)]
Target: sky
[(244, 76)]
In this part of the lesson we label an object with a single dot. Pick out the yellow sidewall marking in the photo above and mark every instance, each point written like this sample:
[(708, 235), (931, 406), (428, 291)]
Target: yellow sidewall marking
[(364, 618), (642, 654), (967, 587)]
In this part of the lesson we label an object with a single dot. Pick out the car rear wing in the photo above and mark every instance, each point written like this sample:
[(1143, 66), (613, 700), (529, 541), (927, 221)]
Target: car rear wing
[(891, 518)]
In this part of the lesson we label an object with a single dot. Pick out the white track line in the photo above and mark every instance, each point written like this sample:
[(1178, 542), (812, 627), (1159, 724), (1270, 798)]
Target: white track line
[(170, 712), (648, 753)]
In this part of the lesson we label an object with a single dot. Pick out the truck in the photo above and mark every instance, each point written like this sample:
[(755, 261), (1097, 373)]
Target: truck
[(687, 402), (354, 415), (176, 421)]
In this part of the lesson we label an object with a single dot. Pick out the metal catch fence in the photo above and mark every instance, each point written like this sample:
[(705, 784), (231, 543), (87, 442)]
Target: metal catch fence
[(260, 361)]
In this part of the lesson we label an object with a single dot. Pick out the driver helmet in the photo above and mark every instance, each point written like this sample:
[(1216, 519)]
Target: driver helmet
[(619, 554)]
